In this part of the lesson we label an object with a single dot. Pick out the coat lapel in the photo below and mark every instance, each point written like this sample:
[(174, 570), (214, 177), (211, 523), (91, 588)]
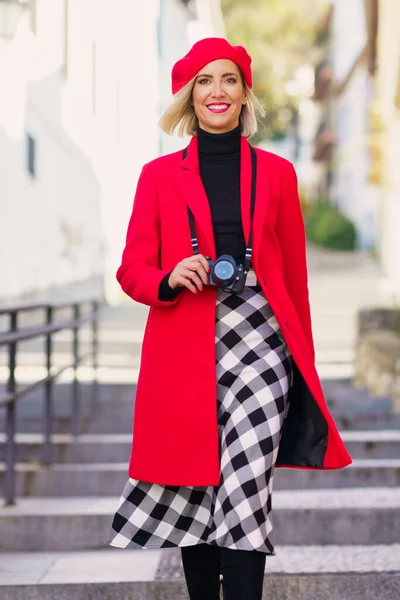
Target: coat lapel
[(245, 186), (245, 196), (196, 198)]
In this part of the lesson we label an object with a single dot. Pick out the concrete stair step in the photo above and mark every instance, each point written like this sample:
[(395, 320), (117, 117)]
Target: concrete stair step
[(365, 422), (116, 447), (30, 410), (106, 358), (110, 397), (119, 420), (343, 392), (125, 316), (317, 572), (123, 341), (112, 418), (115, 410), (382, 443), (346, 517), (103, 479), (84, 448)]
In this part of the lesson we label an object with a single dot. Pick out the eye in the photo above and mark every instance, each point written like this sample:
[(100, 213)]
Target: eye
[(231, 80), (204, 80)]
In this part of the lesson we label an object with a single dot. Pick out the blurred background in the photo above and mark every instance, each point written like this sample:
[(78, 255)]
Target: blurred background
[(83, 84)]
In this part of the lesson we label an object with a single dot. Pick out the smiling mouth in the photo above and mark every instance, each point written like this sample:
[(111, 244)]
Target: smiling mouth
[(218, 108)]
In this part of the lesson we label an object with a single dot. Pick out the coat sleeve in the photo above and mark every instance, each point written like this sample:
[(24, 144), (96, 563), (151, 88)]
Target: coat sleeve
[(292, 240), (140, 273)]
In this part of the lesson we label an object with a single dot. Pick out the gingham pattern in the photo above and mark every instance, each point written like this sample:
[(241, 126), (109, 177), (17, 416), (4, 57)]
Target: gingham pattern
[(254, 373)]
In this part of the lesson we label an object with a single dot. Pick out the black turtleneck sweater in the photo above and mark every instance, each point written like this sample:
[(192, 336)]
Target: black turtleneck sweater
[(219, 162)]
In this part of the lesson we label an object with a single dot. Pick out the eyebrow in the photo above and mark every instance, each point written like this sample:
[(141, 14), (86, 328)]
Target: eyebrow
[(211, 76)]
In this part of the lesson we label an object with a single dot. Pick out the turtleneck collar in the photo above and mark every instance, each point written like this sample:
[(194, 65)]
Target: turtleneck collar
[(219, 143)]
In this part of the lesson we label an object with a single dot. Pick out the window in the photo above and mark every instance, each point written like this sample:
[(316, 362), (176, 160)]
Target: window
[(31, 155)]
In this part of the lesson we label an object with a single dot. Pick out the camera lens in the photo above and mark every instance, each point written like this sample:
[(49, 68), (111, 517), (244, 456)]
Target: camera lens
[(224, 271)]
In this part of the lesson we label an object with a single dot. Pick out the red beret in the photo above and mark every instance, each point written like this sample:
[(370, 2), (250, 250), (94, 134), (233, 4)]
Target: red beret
[(204, 52)]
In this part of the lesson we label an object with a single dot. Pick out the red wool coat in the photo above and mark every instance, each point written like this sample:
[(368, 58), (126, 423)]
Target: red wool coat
[(175, 434)]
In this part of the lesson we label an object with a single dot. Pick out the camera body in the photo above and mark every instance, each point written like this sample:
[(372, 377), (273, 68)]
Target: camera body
[(226, 275)]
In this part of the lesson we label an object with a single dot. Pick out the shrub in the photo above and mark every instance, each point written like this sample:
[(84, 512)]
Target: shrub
[(328, 227)]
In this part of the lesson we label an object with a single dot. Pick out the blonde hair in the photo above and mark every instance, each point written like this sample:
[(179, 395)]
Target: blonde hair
[(181, 117)]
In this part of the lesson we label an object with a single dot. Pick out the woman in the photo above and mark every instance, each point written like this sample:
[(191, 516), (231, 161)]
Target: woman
[(227, 387)]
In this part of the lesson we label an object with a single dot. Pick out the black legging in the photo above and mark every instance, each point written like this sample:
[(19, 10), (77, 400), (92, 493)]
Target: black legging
[(242, 571)]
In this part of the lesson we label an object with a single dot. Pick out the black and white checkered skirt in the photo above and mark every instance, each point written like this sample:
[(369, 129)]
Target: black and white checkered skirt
[(254, 374)]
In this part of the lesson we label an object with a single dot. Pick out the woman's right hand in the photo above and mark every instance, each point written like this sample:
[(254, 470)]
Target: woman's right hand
[(191, 273)]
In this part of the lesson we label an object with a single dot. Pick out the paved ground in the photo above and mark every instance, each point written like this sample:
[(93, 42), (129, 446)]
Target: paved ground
[(340, 283)]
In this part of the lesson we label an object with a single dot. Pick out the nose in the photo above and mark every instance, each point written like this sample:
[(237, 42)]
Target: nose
[(217, 90)]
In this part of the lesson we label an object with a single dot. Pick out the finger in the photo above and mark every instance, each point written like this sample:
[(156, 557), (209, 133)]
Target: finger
[(196, 259), (186, 282), (202, 273), (194, 277), (204, 262), (197, 267)]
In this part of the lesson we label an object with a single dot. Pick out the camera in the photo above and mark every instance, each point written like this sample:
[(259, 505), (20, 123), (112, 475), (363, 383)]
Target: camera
[(226, 275)]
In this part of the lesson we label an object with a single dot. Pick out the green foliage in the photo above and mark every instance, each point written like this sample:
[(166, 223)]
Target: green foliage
[(279, 35), (396, 328), (328, 227)]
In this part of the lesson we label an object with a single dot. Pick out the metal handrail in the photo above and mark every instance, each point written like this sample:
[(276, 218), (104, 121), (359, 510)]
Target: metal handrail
[(29, 306), (8, 400), (32, 332)]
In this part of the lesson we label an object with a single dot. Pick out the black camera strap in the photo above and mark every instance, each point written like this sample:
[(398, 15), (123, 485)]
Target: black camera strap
[(249, 249)]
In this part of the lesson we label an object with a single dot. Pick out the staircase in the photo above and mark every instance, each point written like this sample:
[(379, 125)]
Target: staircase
[(336, 533)]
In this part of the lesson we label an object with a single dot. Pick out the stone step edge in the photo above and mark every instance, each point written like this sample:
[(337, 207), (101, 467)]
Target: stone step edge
[(325, 586), (375, 436), (293, 500), (111, 565), (358, 463)]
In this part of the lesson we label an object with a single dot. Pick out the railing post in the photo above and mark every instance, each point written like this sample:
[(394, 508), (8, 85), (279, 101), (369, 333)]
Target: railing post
[(95, 354), (48, 395), (76, 404), (10, 418)]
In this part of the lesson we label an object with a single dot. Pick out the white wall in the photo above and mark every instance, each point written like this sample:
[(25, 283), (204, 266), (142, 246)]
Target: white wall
[(389, 206), (355, 196), (93, 106), (45, 240), (177, 34), (127, 135), (173, 18), (209, 21), (94, 130), (349, 35)]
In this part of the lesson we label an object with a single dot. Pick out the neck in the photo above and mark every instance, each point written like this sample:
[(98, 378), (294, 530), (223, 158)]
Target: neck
[(219, 143)]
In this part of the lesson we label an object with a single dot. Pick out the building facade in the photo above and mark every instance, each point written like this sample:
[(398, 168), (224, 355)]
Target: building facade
[(83, 85), (355, 192), (50, 231), (360, 116), (386, 120)]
